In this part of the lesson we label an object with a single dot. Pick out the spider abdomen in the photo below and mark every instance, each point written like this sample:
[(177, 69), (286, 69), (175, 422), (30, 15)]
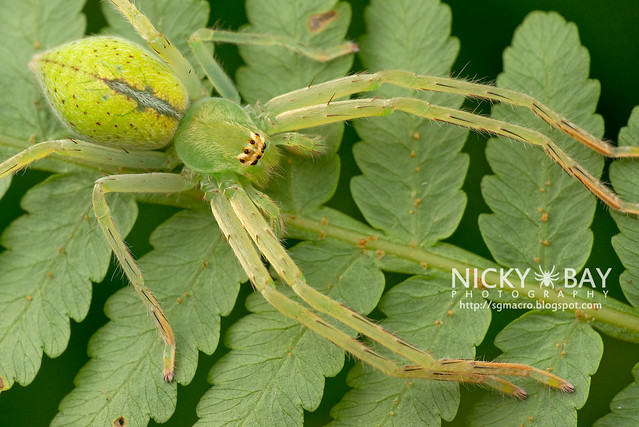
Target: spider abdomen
[(112, 91)]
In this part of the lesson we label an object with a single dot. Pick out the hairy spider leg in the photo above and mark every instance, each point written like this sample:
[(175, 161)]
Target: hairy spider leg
[(470, 371), (223, 84), (163, 47), (338, 111), (346, 86), (268, 244), (139, 183), (216, 75), (86, 152)]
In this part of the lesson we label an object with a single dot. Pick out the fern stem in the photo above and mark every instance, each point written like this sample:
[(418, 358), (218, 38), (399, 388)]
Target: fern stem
[(622, 318)]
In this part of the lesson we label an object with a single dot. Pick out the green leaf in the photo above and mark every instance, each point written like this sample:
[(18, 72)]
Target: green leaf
[(562, 344), (194, 275), (541, 214), (47, 271), (412, 168), (624, 175), (422, 311), (624, 406), (305, 184), (276, 367)]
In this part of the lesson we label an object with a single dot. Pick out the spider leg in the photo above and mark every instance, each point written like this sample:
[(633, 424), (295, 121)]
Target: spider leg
[(300, 144), (88, 152), (221, 81), (321, 114), (339, 88), (163, 47), (139, 183), (235, 231), (267, 243)]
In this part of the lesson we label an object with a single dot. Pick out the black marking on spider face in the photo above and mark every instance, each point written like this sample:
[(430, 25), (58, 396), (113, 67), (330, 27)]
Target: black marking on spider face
[(144, 98), (119, 422), (253, 151)]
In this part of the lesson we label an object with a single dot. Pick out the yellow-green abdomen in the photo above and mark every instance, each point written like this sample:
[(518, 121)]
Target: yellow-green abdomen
[(112, 91)]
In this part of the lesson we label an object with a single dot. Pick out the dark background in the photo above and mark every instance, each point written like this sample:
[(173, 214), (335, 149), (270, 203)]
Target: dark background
[(610, 31)]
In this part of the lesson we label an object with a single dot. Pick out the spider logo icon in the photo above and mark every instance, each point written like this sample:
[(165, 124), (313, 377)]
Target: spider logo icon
[(547, 278)]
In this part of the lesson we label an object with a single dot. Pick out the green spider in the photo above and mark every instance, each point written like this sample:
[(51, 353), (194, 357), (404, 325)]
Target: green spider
[(128, 103)]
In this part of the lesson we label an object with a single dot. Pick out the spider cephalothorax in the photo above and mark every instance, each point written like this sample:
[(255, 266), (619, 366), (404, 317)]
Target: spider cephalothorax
[(217, 135)]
